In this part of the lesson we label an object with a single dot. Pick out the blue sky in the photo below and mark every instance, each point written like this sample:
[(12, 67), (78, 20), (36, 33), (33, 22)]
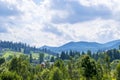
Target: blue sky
[(55, 22)]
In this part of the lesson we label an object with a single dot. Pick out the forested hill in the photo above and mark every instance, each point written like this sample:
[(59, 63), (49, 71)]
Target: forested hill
[(19, 47), (74, 46), (22, 47), (85, 46)]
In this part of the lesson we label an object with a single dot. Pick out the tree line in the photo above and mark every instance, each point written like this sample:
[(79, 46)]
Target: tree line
[(67, 66), (112, 53)]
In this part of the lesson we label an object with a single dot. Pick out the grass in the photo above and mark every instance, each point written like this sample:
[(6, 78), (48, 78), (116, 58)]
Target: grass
[(36, 55), (6, 54)]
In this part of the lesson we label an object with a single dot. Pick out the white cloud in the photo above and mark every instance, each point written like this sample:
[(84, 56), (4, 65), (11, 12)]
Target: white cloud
[(34, 25), (113, 5), (97, 30)]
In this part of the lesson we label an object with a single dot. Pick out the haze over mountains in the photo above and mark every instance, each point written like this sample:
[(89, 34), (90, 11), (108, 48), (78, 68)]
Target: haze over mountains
[(84, 46)]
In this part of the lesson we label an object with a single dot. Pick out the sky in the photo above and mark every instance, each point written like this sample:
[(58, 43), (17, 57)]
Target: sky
[(55, 22)]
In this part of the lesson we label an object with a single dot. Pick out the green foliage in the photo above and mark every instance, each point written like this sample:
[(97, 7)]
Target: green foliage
[(30, 58), (44, 75), (56, 74), (11, 54), (99, 68), (68, 66), (89, 67), (107, 65), (10, 76), (20, 66), (118, 72), (60, 64), (89, 53), (2, 60), (14, 64), (52, 59), (114, 63), (73, 70), (41, 57), (63, 55)]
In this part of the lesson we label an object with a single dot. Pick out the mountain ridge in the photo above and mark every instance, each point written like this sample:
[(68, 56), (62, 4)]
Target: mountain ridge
[(84, 46)]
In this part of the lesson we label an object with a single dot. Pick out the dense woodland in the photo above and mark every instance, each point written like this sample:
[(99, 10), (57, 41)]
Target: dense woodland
[(17, 47), (68, 65), (21, 47)]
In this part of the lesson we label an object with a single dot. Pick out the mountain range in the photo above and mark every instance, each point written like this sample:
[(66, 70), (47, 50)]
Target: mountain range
[(84, 46)]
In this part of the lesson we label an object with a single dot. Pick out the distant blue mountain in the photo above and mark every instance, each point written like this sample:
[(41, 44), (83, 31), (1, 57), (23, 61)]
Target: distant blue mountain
[(84, 46)]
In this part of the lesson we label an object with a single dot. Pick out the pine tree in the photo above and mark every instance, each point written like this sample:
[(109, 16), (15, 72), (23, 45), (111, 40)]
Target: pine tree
[(52, 59), (30, 58), (63, 56), (89, 53), (88, 66), (41, 57)]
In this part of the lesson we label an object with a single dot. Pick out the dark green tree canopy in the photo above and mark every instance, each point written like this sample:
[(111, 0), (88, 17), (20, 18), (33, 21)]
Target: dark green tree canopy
[(88, 66)]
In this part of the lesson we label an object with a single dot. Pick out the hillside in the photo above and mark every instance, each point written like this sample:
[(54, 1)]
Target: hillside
[(74, 46), (21, 47), (84, 46)]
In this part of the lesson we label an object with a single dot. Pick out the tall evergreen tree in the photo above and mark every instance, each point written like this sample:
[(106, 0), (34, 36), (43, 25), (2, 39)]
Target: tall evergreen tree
[(30, 58), (52, 59), (89, 53), (89, 67), (63, 55), (41, 57)]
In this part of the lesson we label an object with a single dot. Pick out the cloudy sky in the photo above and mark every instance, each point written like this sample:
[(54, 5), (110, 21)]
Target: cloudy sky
[(55, 22)]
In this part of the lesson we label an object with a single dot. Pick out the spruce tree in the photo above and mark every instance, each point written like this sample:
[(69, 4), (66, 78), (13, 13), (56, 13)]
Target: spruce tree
[(89, 67)]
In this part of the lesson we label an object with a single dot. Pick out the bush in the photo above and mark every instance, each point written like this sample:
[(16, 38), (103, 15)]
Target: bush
[(10, 76)]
